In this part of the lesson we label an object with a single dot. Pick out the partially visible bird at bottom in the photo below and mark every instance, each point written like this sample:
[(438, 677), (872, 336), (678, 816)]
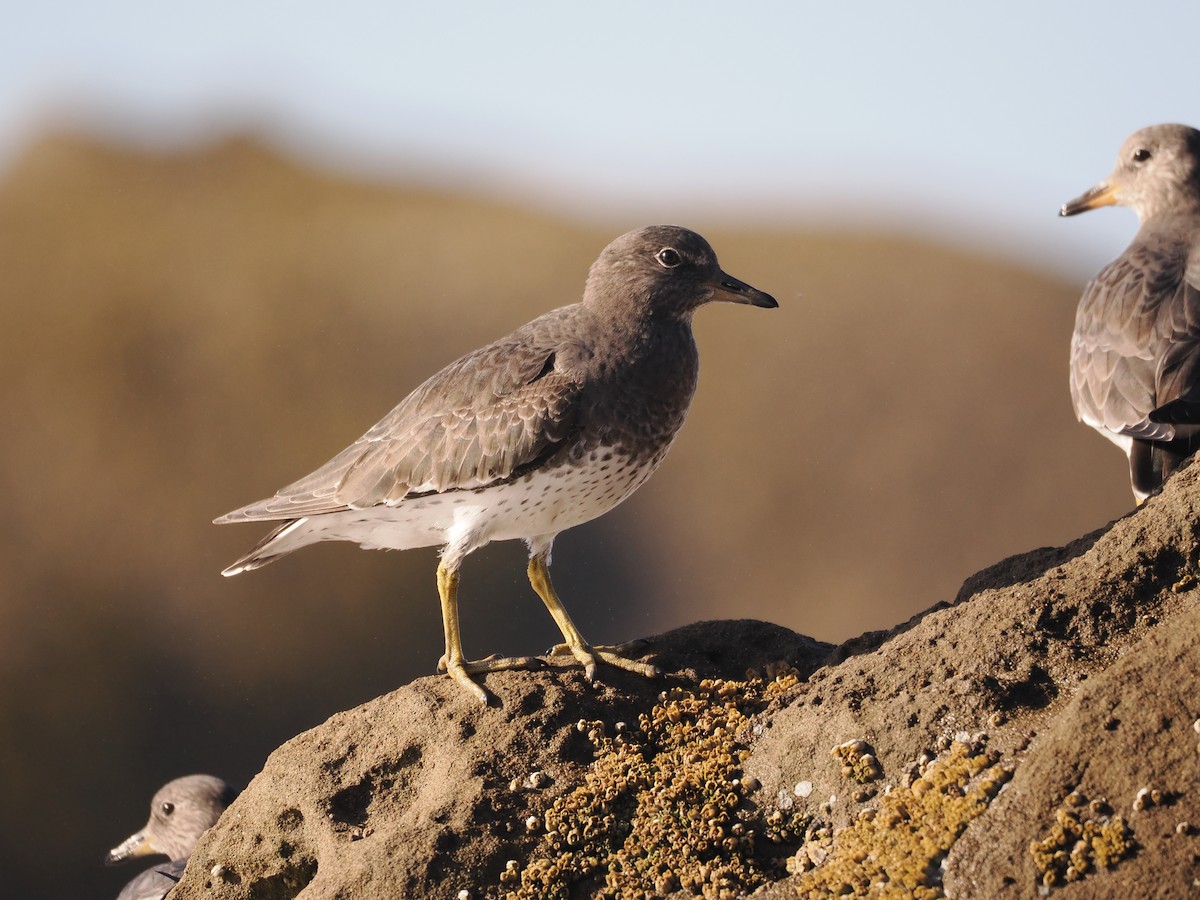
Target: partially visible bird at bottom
[(1135, 353), (535, 433), (181, 811)]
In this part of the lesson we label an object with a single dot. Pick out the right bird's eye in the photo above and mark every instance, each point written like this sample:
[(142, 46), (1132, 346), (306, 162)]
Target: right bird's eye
[(1141, 154)]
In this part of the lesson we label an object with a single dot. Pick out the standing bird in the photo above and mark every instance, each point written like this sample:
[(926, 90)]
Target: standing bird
[(181, 811), (542, 430), (1135, 354)]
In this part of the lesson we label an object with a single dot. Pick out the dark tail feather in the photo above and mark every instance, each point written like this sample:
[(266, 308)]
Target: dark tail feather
[(1153, 462)]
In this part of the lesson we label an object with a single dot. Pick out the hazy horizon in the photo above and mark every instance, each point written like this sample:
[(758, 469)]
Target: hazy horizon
[(965, 125)]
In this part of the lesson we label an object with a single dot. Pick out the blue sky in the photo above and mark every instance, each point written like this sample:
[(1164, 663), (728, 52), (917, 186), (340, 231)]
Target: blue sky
[(951, 119)]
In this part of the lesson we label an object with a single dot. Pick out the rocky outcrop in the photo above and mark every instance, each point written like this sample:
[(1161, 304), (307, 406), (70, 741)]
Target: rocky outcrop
[(1036, 736)]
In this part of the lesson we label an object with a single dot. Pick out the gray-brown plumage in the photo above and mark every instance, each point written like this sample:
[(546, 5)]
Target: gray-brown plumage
[(542, 430), (181, 811), (1136, 349)]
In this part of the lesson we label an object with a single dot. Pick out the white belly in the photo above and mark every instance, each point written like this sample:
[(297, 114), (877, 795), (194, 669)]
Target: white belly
[(542, 503)]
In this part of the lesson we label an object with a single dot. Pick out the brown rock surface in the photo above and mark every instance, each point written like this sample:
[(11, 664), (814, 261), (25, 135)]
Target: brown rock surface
[(957, 753)]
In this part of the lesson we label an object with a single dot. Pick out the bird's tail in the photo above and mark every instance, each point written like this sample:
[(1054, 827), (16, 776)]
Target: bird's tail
[(283, 540)]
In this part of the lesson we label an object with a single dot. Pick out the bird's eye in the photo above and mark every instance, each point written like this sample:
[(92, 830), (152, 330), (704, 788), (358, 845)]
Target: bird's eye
[(668, 257), (1141, 154), (168, 808)]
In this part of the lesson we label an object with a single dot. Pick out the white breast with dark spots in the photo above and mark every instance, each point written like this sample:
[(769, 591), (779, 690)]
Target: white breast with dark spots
[(543, 502)]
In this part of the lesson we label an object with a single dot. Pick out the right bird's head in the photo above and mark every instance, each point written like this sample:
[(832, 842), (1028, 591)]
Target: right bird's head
[(1157, 171)]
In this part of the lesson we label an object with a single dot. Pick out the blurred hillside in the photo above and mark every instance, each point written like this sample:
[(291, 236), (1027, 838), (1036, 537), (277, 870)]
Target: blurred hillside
[(182, 334)]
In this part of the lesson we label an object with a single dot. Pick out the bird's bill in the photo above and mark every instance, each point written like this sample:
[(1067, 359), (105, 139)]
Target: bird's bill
[(138, 844), (1103, 194), (731, 290)]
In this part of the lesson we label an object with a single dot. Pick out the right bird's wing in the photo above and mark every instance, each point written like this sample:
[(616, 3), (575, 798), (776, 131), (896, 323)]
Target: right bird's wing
[(1178, 376), (1119, 337)]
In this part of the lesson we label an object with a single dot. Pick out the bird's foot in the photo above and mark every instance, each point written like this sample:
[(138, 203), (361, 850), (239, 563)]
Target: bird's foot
[(615, 655), (462, 670)]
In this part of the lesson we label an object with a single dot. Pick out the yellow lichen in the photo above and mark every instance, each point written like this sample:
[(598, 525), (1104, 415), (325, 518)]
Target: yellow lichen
[(896, 852), (661, 808), (1081, 840)]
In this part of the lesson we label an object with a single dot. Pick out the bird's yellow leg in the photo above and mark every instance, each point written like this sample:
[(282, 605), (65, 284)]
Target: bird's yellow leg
[(539, 578), (452, 662)]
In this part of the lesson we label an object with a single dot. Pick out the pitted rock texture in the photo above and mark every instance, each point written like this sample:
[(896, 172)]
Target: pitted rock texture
[(955, 756)]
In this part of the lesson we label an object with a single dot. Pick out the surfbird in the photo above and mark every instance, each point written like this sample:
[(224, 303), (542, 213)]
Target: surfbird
[(181, 811), (1135, 353), (539, 431)]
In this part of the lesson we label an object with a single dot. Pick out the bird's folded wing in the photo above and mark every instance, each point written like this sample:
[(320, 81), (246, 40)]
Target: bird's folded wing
[(154, 883), (1124, 324), (1178, 376), (483, 419)]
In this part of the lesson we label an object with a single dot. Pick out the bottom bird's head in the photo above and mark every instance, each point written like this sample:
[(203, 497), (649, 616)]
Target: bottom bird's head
[(181, 811), (1157, 171), (665, 269)]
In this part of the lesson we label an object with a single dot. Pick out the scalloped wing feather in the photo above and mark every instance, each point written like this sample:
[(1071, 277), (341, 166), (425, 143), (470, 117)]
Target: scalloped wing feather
[(1136, 322), (480, 420)]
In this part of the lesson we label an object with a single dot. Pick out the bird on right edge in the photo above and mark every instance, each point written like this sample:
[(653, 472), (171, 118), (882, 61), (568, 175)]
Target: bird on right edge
[(1135, 353)]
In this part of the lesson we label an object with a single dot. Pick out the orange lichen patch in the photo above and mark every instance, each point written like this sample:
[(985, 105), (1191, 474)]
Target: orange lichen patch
[(896, 849), (662, 807)]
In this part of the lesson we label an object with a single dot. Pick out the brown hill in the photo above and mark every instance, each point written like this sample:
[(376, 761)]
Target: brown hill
[(182, 333)]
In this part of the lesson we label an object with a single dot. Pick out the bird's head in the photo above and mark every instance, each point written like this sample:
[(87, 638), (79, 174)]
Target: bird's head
[(1157, 171), (665, 270), (181, 811)]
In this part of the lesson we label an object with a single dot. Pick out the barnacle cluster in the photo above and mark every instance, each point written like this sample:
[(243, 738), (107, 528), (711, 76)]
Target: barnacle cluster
[(895, 849), (786, 822), (1085, 837), (1147, 797), (858, 761), (662, 807)]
